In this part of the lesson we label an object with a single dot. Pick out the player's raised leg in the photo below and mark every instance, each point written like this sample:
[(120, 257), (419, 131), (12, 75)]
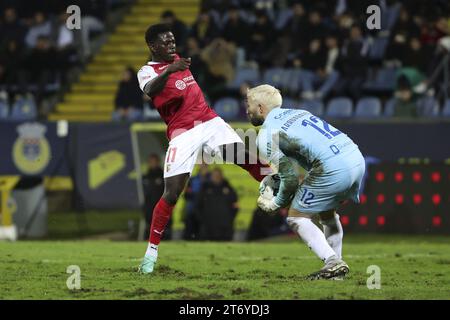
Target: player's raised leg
[(173, 186), (244, 159), (332, 228), (315, 239)]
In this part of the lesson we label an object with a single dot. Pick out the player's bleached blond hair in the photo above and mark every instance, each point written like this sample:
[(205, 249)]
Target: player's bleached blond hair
[(265, 95)]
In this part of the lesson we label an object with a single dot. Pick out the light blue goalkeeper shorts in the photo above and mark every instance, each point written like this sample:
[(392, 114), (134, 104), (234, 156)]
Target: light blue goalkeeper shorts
[(340, 180)]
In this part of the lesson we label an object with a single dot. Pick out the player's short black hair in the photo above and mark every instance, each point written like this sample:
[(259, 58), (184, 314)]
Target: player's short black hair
[(153, 31)]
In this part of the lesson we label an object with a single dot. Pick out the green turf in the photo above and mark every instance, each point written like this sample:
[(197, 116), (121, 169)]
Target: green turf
[(69, 225), (411, 268)]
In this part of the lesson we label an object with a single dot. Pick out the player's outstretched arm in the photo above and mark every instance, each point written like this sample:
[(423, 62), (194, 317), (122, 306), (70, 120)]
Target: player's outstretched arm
[(155, 86)]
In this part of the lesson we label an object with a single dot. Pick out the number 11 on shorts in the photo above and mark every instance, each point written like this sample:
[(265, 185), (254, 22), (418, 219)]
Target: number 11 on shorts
[(171, 153)]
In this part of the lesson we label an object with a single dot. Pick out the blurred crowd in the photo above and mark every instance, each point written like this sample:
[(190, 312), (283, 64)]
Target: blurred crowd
[(312, 50), (318, 50), (38, 53)]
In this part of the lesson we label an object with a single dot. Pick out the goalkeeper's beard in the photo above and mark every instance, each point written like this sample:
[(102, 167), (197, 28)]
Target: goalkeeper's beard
[(256, 121)]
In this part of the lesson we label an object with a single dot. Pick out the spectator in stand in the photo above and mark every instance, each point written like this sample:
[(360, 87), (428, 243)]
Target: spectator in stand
[(406, 25), (417, 56), (405, 28), (198, 67), (318, 75), (41, 27), (12, 28), (315, 27), (11, 64), (353, 64), (261, 39), (93, 16), (405, 100), (302, 31), (357, 8), (40, 67), (153, 184), (204, 29), (343, 24), (312, 61), (179, 29), (217, 224), (294, 29), (236, 29), (128, 102), (434, 30), (219, 56), (436, 74), (65, 45), (191, 222)]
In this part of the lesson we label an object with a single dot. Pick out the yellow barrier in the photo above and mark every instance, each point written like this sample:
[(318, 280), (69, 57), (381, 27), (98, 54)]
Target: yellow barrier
[(7, 184)]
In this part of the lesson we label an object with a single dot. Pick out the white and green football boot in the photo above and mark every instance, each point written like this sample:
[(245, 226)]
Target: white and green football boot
[(147, 264)]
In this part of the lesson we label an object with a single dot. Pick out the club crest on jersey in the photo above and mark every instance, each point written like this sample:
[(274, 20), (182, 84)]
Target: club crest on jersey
[(180, 84), (31, 151)]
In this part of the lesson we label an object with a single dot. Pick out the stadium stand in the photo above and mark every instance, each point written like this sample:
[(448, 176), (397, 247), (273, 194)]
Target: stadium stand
[(4, 110), (446, 109), (24, 109), (290, 103), (310, 50), (316, 107), (368, 107), (248, 75), (227, 108), (341, 107), (428, 107), (92, 97), (389, 107)]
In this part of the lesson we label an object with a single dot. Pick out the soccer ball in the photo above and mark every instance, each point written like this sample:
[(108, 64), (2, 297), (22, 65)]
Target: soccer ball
[(269, 185)]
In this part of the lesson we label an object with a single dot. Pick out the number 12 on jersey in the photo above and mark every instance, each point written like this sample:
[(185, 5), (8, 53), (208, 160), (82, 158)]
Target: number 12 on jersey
[(326, 131)]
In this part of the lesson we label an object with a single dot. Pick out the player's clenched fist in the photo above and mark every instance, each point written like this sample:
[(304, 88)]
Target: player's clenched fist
[(179, 65)]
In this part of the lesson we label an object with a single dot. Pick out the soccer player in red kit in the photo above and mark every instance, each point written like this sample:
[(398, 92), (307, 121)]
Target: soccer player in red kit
[(192, 126)]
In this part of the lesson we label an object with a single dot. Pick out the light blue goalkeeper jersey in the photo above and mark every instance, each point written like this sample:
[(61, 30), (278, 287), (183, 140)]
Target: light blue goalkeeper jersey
[(317, 146)]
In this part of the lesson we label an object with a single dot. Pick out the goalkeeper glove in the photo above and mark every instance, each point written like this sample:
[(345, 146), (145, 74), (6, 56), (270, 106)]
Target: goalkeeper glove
[(267, 204)]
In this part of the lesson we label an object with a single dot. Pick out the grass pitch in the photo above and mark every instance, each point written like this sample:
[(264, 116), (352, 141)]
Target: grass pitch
[(411, 268)]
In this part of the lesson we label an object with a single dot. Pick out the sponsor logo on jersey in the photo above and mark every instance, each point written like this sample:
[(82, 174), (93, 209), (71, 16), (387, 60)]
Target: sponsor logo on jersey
[(180, 84), (283, 114)]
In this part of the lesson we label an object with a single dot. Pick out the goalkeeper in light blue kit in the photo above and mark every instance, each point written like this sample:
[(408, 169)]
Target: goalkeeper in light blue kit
[(335, 170)]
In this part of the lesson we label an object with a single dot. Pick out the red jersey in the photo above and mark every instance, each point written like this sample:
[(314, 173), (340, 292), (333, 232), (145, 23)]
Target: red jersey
[(181, 103)]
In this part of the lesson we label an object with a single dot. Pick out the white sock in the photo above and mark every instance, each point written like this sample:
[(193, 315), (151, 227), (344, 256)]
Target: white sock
[(334, 233), (152, 250), (312, 236)]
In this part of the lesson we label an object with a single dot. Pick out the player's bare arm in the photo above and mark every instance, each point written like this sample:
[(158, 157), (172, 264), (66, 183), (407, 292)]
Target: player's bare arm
[(156, 85)]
